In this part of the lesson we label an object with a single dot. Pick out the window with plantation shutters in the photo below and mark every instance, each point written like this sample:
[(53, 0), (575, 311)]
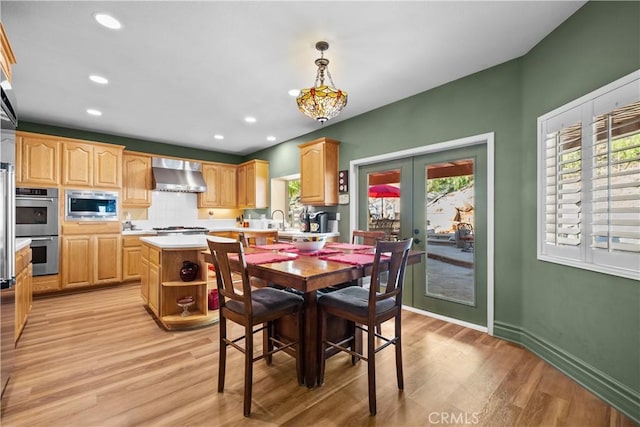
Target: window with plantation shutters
[(563, 182), (589, 181)]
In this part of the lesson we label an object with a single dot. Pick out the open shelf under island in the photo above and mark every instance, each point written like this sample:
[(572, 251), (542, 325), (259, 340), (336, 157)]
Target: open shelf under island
[(162, 259)]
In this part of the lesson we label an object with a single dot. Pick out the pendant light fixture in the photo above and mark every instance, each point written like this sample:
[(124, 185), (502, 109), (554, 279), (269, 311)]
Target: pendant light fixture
[(322, 102)]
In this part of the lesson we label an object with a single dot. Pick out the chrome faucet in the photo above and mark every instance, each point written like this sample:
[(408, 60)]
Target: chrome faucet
[(282, 212)]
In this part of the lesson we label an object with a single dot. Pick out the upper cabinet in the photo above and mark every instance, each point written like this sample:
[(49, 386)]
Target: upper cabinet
[(91, 165), (45, 160), (38, 160), (136, 180), (221, 186), (319, 172), (252, 184), (6, 54)]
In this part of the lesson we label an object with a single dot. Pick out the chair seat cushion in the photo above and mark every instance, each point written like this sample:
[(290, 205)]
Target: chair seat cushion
[(355, 300), (265, 300)]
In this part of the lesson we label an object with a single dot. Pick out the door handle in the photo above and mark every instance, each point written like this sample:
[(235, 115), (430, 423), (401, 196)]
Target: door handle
[(416, 241)]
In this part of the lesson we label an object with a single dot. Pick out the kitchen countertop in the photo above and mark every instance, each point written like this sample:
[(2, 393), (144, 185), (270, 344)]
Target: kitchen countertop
[(138, 232), (182, 241), (22, 242), (285, 233)]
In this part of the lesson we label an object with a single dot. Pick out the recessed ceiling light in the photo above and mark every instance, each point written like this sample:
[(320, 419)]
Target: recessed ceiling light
[(294, 92), (271, 138), (107, 21), (94, 112), (250, 119), (98, 79), (218, 136)]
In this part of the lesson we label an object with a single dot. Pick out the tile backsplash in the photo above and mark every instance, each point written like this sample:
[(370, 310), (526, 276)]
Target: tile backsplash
[(169, 208)]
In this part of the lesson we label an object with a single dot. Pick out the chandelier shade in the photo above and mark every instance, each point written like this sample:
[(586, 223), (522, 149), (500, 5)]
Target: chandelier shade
[(322, 102)]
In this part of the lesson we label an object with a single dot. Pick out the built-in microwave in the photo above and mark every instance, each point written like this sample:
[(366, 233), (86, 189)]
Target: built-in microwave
[(87, 205)]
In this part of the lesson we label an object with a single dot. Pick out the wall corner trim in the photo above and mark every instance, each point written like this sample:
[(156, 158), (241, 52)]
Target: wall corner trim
[(608, 389)]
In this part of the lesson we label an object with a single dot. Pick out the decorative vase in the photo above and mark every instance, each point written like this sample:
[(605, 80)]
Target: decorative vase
[(189, 271)]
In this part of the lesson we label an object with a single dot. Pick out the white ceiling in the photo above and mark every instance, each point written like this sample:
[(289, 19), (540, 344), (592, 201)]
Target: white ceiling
[(180, 72)]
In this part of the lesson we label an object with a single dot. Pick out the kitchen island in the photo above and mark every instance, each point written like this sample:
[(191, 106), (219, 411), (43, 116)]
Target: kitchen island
[(162, 259)]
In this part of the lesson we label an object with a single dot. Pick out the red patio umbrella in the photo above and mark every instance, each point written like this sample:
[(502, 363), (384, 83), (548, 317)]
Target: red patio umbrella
[(380, 191)]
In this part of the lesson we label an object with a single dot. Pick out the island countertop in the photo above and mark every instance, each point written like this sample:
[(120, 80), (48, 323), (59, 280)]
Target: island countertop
[(281, 233), (182, 241)]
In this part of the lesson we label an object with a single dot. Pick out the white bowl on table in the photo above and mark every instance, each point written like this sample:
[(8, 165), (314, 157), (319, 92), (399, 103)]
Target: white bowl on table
[(308, 243)]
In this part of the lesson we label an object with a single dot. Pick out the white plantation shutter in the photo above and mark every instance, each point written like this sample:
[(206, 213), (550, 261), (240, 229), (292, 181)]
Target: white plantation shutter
[(562, 184), (589, 181), (615, 187)]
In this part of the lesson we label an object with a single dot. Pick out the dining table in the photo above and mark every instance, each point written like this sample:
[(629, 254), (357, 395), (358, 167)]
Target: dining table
[(310, 274)]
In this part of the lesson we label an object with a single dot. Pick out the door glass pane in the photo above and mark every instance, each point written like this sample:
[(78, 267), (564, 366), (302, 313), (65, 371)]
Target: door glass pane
[(449, 216), (384, 202)]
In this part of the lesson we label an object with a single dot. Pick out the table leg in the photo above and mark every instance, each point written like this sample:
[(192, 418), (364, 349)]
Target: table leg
[(311, 339)]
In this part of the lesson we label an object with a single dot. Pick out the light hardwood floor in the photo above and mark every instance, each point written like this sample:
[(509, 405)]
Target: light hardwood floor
[(98, 359)]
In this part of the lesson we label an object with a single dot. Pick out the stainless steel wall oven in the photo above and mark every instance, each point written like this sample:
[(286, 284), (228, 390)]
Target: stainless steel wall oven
[(37, 218)]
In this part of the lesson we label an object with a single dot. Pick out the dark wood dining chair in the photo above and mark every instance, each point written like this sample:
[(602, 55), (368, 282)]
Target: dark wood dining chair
[(363, 237), (262, 237), (250, 307), (366, 308)]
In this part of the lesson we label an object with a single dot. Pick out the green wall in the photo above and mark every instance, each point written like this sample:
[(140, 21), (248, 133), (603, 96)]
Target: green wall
[(569, 312), (587, 324), (132, 144)]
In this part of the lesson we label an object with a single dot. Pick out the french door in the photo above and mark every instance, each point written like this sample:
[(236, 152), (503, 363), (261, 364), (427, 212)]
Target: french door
[(443, 206)]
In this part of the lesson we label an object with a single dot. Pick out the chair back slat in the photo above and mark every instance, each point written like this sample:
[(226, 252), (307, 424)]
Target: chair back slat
[(396, 266), (367, 237), (253, 238), (220, 252)]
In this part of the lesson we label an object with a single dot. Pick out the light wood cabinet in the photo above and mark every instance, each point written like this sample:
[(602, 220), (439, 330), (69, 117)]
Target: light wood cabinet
[(252, 184), (319, 172), (7, 58), (23, 289), (228, 186), (221, 186), (89, 260), (136, 180), (107, 258), (76, 261), (144, 278), (91, 165), (37, 160), (107, 166), (131, 258)]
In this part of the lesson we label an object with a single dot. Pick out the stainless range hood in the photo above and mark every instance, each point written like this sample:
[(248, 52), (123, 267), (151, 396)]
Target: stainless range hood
[(177, 175)]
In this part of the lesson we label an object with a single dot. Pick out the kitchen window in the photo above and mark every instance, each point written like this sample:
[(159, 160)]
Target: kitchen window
[(285, 195), (589, 181)]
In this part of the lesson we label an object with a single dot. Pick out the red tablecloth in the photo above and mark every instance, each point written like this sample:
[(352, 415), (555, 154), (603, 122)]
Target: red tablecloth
[(354, 259)]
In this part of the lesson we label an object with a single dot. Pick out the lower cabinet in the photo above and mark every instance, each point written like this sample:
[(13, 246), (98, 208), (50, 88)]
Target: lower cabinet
[(131, 258), (91, 260), (23, 289), (144, 274)]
